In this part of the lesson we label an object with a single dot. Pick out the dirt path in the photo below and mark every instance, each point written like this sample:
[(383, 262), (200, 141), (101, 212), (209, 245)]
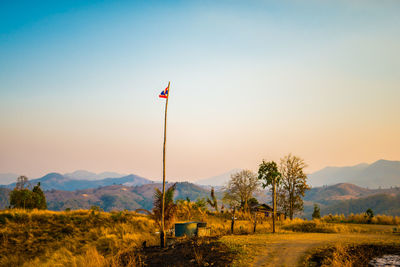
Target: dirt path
[(289, 249), (286, 252)]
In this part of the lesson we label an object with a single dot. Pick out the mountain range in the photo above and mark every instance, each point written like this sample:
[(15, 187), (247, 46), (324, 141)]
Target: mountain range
[(111, 197), (382, 173), (58, 181), (340, 198), (335, 189), (86, 175)]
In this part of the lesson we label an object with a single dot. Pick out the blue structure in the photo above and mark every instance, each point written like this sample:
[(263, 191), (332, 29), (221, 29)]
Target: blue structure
[(189, 229)]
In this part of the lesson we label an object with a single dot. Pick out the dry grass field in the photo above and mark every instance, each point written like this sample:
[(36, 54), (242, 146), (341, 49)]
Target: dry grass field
[(74, 238), (93, 238)]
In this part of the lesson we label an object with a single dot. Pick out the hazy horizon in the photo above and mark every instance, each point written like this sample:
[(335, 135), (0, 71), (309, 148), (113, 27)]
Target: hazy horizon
[(79, 85), (182, 179)]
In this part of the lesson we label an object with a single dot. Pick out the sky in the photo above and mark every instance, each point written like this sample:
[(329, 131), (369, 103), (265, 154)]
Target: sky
[(250, 80)]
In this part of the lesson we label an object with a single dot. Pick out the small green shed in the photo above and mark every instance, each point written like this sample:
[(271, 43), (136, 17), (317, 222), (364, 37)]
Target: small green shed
[(189, 229)]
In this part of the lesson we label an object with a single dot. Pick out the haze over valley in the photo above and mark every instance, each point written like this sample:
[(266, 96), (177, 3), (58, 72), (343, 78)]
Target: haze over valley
[(336, 189)]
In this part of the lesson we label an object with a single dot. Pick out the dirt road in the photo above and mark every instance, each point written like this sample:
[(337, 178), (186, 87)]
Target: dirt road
[(289, 249)]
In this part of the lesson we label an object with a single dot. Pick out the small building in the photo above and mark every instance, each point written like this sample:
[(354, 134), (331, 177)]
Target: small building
[(268, 211)]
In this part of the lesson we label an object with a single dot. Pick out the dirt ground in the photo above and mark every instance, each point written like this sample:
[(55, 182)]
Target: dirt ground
[(194, 252), (289, 249)]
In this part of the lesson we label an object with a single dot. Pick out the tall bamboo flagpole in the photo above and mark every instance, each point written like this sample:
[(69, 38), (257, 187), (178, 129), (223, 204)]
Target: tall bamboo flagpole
[(162, 232)]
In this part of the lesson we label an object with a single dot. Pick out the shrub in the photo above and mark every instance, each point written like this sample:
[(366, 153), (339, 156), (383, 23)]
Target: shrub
[(362, 218), (314, 226)]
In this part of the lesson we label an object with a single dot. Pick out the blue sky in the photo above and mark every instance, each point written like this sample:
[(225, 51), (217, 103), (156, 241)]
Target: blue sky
[(249, 80)]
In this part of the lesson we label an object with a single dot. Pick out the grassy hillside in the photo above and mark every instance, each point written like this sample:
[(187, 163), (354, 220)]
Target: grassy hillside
[(380, 204), (76, 238), (92, 238)]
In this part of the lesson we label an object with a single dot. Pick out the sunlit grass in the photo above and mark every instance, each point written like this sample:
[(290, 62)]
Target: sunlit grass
[(74, 238), (362, 218)]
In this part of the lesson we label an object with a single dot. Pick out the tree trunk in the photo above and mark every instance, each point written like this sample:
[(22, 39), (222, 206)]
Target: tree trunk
[(255, 222), (233, 220)]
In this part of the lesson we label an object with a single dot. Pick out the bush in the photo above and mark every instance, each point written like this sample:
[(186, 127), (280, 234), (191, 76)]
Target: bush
[(314, 226), (363, 218)]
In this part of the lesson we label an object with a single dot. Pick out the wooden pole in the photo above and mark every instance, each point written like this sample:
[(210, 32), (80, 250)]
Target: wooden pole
[(274, 205), (162, 232)]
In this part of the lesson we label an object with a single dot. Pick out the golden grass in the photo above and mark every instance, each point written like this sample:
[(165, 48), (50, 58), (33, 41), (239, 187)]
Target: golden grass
[(94, 238), (74, 238), (362, 218), (317, 226)]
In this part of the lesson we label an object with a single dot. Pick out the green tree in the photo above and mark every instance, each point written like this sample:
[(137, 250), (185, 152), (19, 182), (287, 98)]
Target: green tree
[(293, 186), (213, 201), (316, 213), (370, 214), (170, 208), (270, 176), (23, 198), (39, 198), (242, 185)]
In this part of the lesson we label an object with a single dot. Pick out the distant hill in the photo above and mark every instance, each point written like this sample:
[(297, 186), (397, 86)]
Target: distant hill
[(86, 175), (219, 180), (60, 182), (111, 197), (342, 191), (388, 204), (382, 173), (118, 197), (346, 198)]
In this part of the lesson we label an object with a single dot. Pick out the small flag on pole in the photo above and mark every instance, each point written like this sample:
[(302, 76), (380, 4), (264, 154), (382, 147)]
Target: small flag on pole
[(164, 93)]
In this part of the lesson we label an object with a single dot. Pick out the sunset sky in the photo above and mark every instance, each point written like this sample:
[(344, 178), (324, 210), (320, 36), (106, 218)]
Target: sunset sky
[(250, 80)]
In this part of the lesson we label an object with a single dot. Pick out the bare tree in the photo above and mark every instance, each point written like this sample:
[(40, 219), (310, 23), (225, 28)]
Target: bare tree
[(213, 201), (293, 184), (233, 202), (243, 184), (22, 183)]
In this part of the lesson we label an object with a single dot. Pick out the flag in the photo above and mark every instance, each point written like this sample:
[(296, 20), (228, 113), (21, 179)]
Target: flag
[(164, 93)]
